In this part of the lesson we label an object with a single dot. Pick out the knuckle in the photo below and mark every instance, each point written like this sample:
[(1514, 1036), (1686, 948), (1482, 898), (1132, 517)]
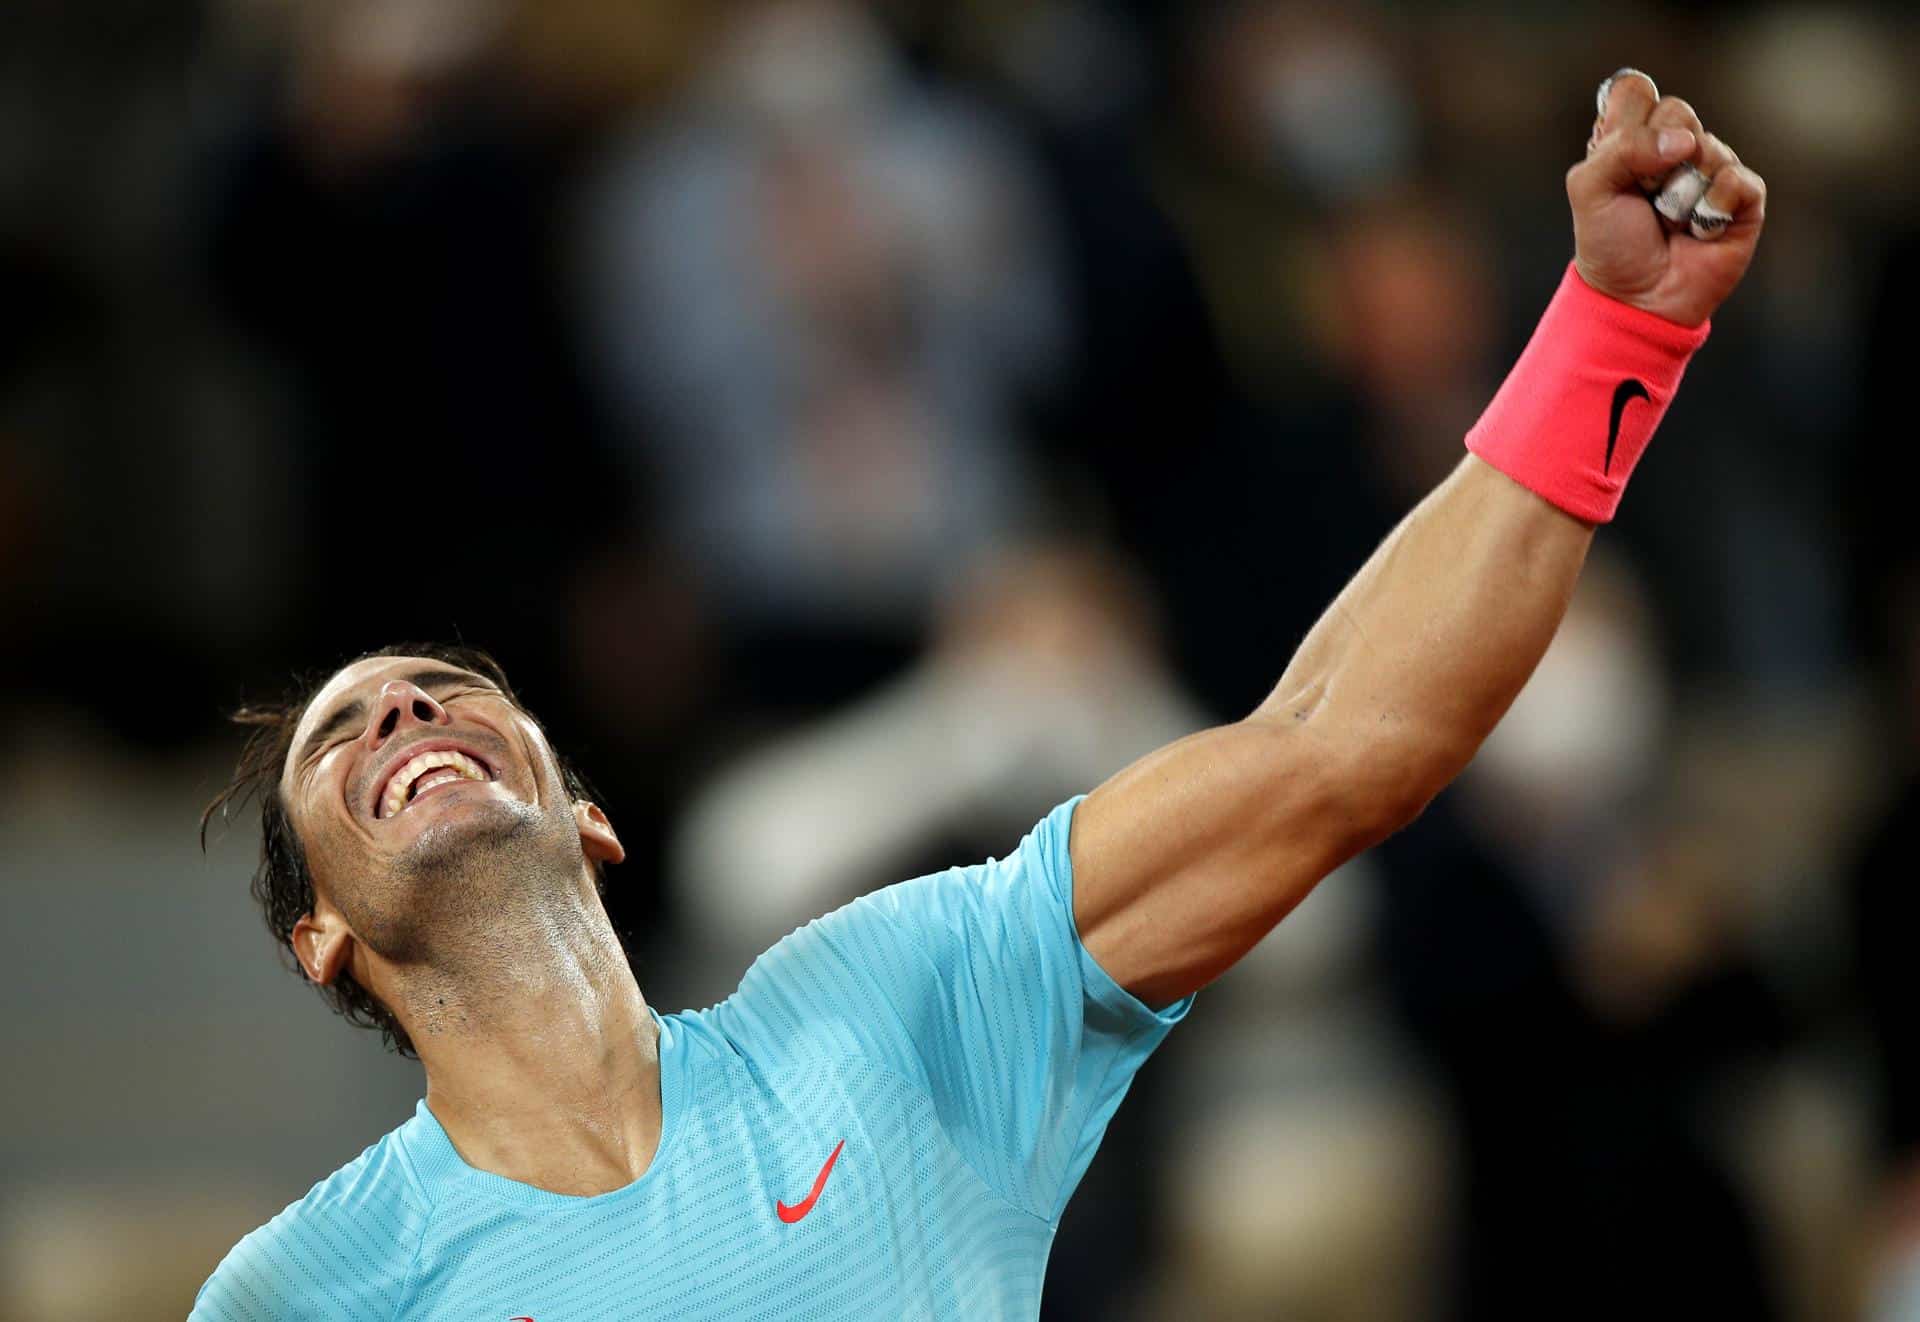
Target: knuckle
[(1675, 110)]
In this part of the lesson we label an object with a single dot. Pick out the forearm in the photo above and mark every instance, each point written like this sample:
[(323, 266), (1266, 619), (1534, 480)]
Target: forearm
[(1186, 859), (1425, 649)]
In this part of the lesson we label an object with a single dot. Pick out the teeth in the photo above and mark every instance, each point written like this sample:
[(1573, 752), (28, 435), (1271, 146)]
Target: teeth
[(438, 780), (461, 767)]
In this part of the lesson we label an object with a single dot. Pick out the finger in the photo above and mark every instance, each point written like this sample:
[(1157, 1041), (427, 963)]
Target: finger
[(1625, 156), (1674, 113), (1679, 191), (1714, 156), (1683, 199), (1624, 100), (1738, 197), (1682, 190)]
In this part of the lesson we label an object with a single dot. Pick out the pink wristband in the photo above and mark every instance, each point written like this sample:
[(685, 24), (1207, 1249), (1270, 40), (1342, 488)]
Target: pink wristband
[(1581, 404)]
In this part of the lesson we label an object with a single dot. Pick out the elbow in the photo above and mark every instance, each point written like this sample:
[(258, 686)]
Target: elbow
[(1402, 805), (1390, 782), (1382, 806), (1337, 790)]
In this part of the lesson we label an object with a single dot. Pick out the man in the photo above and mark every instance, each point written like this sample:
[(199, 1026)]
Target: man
[(887, 1117)]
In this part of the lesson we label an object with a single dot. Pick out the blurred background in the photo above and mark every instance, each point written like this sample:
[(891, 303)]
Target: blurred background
[(858, 427)]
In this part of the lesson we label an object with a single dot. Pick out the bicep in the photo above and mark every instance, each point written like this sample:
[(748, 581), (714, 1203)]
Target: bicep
[(1186, 859), (1190, 856)]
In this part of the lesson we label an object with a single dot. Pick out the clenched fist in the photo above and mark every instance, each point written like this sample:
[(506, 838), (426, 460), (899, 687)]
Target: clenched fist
[(1665, 217)]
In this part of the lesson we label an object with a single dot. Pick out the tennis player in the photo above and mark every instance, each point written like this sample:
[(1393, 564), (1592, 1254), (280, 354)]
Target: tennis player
[(888, 1116)]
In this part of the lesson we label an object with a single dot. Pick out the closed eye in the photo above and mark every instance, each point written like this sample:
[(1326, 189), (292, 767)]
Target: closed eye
[(346, 723)]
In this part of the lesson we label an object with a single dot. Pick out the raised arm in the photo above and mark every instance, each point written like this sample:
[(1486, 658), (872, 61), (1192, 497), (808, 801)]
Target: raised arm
[(1183, 861)]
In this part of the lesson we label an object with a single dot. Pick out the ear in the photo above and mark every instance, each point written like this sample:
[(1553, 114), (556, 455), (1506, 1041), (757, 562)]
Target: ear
[(322, 943), (596, 834)]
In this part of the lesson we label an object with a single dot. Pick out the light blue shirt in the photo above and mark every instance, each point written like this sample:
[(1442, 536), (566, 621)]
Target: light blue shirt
[(884, 1121)]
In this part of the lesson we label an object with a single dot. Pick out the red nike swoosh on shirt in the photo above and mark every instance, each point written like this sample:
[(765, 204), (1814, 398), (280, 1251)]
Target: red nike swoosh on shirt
[(805, 1205)]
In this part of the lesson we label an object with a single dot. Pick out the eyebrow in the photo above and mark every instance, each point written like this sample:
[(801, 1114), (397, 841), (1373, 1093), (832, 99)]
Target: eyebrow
[(349, 714)]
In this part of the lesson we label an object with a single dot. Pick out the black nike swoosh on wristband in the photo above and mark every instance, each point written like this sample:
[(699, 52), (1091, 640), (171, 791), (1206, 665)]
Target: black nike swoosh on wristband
[(1627, 390)]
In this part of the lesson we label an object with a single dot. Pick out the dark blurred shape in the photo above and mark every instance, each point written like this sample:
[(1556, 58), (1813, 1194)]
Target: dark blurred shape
[(43, 309), (1570, 958), (379, 229), (1885, 882)]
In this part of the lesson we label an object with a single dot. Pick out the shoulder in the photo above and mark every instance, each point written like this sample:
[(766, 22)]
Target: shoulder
[(954, 913), (870, 976), (944, 910), (343, 1251)]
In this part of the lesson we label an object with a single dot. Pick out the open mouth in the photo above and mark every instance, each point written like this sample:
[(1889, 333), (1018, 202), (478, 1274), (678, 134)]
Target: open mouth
[(425, 772)]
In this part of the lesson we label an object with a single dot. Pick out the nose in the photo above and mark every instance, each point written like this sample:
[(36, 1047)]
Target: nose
[(399, 706)]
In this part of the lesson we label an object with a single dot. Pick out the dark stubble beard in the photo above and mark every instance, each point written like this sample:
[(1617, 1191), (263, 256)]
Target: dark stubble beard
[(472, 890)]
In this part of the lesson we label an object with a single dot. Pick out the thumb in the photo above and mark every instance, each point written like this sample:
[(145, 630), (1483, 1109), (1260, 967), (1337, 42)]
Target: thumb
[(1621, 159)]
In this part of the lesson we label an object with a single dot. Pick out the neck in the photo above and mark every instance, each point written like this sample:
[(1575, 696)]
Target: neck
[(542, 1061)]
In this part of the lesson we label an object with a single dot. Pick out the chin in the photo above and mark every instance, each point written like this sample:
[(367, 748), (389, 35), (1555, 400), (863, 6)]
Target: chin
[(472, 837)]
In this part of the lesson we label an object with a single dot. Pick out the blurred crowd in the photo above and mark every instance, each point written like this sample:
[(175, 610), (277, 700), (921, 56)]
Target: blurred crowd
[(859, 426)]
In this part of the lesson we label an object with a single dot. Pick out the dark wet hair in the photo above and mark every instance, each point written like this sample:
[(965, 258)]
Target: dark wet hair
[(282, 883)]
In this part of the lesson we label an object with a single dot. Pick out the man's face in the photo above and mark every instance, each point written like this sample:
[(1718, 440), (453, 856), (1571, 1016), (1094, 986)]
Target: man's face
[(410, 783)]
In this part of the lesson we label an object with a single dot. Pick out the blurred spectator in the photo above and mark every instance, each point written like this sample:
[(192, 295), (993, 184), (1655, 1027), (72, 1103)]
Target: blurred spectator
[(379, 231), (822, 295), (1412, 330), (1293, 118), (1044, 678), (1570, 956), (1303, 1159), (1347, 335)]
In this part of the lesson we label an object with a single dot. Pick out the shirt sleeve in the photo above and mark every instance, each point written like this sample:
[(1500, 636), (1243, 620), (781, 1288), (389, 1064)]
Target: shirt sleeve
[(342, 1253), (975, 985)]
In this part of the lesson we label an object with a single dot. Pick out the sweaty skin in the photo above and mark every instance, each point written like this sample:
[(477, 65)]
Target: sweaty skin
[(1183, 861), (473, 915)]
